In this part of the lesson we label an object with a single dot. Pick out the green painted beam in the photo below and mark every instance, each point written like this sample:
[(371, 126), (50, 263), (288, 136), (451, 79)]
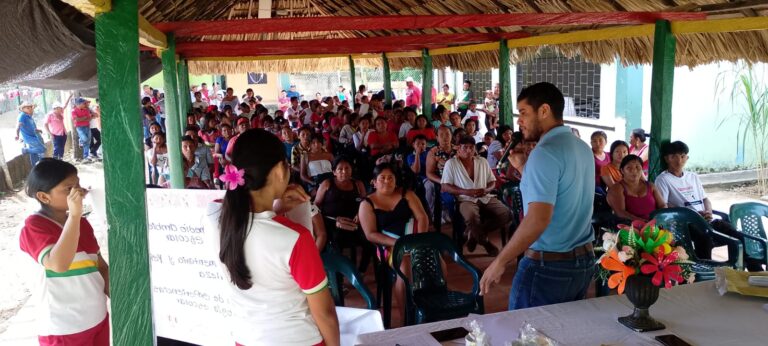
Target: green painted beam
[(426, 84), (185, 101), (173, 123), (662, 81), (117, 63), (353, 91), (387, 80), (505, 86)]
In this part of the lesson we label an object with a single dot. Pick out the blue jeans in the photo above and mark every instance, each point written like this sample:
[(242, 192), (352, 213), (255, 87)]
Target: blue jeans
[(538, 283), (35, 153), (84, 139), (58, 146)]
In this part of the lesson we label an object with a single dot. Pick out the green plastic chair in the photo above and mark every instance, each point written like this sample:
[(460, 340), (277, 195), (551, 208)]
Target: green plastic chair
[(746, 218), (678, 221), (427, 296), (336, 265)]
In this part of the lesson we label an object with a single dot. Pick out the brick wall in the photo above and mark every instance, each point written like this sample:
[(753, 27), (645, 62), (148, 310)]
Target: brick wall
[(481, 82)]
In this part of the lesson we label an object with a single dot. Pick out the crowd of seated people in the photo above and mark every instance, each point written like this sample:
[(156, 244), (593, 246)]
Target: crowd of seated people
[(377, 172), (333, 147)]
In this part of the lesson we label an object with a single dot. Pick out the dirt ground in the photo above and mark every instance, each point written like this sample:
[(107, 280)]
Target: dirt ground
[(20, 274)]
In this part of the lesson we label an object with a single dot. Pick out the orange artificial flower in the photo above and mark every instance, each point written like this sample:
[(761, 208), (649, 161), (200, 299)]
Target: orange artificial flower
[(622, 271)]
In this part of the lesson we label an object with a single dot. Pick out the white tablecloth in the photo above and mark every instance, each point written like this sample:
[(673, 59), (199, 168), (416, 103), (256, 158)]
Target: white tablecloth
[(353, 322), (695, 313)]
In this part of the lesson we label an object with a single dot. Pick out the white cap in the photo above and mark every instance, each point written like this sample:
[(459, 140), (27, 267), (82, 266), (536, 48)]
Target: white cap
[(57, 104), (408, 79)]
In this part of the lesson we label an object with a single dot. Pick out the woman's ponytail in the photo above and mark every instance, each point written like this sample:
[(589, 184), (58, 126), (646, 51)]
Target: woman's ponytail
[(235, 219), (256, 152)]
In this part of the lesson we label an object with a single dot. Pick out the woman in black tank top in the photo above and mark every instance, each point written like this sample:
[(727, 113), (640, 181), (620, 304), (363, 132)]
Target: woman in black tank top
[(338, 199), (384, 214)]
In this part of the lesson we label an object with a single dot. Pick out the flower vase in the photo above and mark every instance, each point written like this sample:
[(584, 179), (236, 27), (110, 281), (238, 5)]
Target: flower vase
[(642, 293)]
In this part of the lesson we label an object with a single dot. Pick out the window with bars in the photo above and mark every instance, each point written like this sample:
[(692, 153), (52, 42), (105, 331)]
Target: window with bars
[(577, 79)]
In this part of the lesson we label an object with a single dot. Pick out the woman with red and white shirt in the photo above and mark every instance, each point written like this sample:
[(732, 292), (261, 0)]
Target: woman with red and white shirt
[(277, 284)]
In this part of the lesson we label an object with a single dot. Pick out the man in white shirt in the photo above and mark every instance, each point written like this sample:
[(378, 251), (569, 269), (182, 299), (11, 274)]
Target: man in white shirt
[(469, 177), (410, 119), (364, 106), (305, 115), (198, 103), (292, 113), (146, 91)]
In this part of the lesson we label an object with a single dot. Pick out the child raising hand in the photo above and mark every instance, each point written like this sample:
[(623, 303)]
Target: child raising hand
[(73, 297)]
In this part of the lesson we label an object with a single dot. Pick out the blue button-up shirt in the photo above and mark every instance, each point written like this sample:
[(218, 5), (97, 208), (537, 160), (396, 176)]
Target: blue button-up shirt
[(561, 171), (28, 129)]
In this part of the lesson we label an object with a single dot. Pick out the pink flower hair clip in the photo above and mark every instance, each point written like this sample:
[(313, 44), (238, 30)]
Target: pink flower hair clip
[(233, 177)]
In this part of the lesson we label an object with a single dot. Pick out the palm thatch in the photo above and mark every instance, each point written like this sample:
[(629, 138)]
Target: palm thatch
[(692, 49)]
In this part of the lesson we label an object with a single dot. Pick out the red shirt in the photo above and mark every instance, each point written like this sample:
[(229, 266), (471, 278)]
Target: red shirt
[(317, 118), (376, 139), (427, 132), (81, 113), (393, 127), (412, 97), (255, 122)]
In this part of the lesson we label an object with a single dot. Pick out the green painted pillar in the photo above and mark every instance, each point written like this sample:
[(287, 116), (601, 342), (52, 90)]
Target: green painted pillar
[(662, 81), (185, 101), (353, 91), (117, 61), (173, 123), (629, 96), (505, 86), (426, 84), (387, 80)]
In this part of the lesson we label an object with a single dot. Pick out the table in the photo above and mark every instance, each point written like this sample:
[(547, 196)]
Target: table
[(695, 313), (353, 322)]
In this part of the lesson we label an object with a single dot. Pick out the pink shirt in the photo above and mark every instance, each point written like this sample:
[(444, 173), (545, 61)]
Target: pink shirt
[(284, 100), (55, 124)]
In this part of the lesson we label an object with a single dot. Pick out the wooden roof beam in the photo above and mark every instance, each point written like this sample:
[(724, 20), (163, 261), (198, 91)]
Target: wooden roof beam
[(346, 23), (376, 44), (148, 35), (90, 7), (151, 37)]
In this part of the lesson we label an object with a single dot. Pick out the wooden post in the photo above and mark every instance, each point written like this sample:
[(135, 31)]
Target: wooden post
[(173, 123), (662, 81), (6, 172), (353, 91), (387, 80), (505, 87), (117, 62), (185, 101), (426, 84)]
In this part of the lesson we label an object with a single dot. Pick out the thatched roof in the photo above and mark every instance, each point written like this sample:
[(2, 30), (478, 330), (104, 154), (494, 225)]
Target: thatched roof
[(692, 49)]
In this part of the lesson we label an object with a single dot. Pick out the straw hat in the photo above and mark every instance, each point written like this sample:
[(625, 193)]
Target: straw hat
[(26, 104)]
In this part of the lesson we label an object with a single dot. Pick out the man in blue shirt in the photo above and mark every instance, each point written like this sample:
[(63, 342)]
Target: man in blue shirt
[(558, 188), (293, 93), (26, 127), (417, 161)]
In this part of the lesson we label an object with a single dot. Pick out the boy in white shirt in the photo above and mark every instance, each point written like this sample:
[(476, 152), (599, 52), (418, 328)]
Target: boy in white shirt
[(681, 188), (199, 103)]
